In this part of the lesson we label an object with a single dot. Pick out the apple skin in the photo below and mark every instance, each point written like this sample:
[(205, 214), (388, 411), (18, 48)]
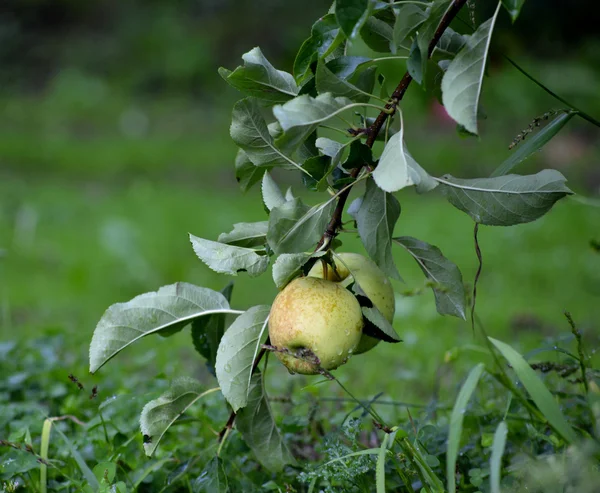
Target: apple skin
[(315, 314), (371, 279)]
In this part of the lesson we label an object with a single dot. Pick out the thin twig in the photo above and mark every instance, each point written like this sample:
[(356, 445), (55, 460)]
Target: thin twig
[(479, 267), (581, 358)]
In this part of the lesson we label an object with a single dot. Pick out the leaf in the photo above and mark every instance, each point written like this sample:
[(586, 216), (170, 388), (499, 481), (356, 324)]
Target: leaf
[(377, 35), (461, 84), (397, 169), (260, 79), (329, 82), (542, 397), (377, 325), (325, 37), (534, 144), (354, 207), (249, 131), (449, 290), (295, 228), (246, 173), (408, 19), (360, 155), (376, 219), (237, 351), (213, 479), (388, 440), (247, 235), (228, 259), (496, 457), (207, 332), (345, 67), (328, 147), (256, 424), (456, 422), (351, 15), (513, 7), (167, 310), (287, 267), (271, 193), (159, 414), (306, 111), (319, 167), (425, 36), (449, 44), (505, 200)]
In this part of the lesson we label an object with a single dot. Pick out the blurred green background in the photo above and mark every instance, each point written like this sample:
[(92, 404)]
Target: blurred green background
[(114, 145)]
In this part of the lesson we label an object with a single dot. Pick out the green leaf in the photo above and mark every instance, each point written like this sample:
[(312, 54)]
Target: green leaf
[(461, 84), (319, 167), (329, 147), (167, 310), (228, 259), (294, 227), (256, 424), (351, 15), (207, 332), (271, 193), (505, 200), (159, 414), (456, 423), (260, 79), (329, 82), (306, 111), (426, 32), (449, 44), (247, 235), (397, 169), (534, 144), (496, 457), (449, 290), (513, 7), (325, 37), (287, 267), (377, 35), (542, 397), (246, 174), (388, 441), (360, 155), (249, 131), (213, 479), (376, 219), (376, 325), (238, 348), (408, 19)]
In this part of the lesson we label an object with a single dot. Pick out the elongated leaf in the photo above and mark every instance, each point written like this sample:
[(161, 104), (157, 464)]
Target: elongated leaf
[(249, 131), (496, 457), (449, 44), (207, 332), (325, 37), (408, 19), (505, 200), (319, 167), (377, 35), (534, 144), (246, 173), (449, 290), (306, 111), (388, 440), (228, 259), (247, 235), (287, 267), (328, 81), (461, 84), (378, 323), (271, 193), (513, 7), (376, 219), (295, 228), (328, 147), (260, 79), (213, 479), (427, 30), (257, 426), (165, 311), (237, 350), (542, 397), (351, 15), (397, 169), (159, 414), (456, 422)]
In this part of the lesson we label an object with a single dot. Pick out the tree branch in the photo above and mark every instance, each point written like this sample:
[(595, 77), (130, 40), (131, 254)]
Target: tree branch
[(390, 109)]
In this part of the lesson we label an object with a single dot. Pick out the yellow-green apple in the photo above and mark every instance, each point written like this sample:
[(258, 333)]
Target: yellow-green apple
[(317, 315), (372, 281)]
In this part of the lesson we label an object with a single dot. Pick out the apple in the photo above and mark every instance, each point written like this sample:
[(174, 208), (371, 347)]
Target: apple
[(317, 315), (371, 279)]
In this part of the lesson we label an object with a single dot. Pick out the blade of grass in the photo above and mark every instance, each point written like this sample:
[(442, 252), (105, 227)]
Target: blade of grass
[(534, 144), (496, 458), (44, 454), (537, 390), (388, 440), (456, 422)]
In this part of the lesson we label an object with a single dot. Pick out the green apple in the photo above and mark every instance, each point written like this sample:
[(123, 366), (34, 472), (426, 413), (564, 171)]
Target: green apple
[(371, 279), (319, 315)]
